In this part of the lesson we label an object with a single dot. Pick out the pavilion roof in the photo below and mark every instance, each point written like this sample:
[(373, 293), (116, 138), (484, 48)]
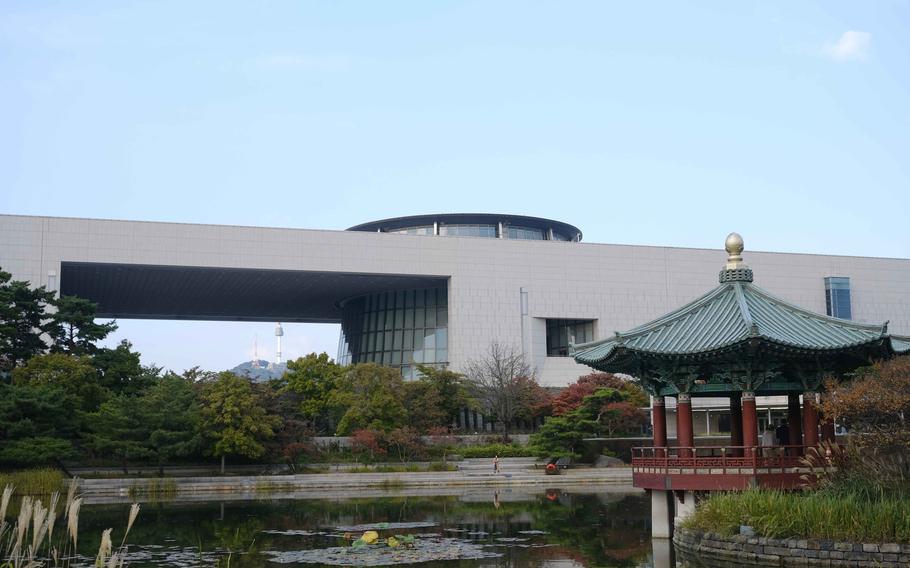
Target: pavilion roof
[(736, 313)]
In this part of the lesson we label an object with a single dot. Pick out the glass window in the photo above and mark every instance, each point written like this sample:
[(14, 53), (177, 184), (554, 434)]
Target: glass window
[(486, 231), (524, 233), (420, 230), (395, 328), (561, 331), (560, 237), (837, 297)]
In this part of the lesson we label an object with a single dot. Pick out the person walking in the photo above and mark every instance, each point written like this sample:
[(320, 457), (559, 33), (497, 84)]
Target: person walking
[(496, 463)]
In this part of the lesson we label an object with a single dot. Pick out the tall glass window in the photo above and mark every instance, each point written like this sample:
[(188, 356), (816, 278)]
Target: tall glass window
[(487, 231), (561, 331), (399, 329), (837, 297), (525, 233)]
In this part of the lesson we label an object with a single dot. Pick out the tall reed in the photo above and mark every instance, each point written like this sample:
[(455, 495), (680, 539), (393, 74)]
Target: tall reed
[(30, 541)]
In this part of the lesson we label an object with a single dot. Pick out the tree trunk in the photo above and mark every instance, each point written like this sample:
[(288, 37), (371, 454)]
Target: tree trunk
[(222, 465)]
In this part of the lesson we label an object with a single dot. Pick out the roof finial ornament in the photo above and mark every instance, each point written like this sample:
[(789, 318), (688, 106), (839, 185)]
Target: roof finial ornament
[(734, 246), (735, 270)]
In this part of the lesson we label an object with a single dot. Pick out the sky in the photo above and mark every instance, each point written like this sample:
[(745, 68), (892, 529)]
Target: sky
[(658, 123)]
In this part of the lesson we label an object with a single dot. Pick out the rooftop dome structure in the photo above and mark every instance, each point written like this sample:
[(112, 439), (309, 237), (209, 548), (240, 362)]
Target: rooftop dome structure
[(484, 225)]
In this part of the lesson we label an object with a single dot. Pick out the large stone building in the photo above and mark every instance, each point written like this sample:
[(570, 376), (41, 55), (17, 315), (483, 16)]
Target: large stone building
[(426, 289)]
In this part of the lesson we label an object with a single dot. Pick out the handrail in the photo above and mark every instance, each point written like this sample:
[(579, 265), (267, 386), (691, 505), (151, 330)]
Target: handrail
[(723, 458)]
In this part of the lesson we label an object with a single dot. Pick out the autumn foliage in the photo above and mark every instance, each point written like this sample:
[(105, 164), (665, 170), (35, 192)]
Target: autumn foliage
[(573, 395), (875, 406)]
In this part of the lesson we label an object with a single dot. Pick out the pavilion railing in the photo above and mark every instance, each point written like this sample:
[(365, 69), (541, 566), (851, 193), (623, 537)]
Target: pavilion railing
[(724, 460)]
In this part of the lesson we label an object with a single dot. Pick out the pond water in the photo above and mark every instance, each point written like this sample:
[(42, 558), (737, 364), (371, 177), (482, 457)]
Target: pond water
[(521, 528)]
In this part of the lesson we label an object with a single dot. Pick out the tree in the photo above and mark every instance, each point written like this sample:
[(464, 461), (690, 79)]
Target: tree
[(371, 396), (121, 371), (405, 442), (233, 418), (452, 388), (36, 424), (75, 374), (562, 436), (73, 329), (172, 418), (504, 385), (22, 321), (875, 405), (571, 397), (117, 430), (313, 378), (424, 405)]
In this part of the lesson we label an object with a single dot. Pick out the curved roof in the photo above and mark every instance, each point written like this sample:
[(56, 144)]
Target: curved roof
[(735, 313), (396, 223)]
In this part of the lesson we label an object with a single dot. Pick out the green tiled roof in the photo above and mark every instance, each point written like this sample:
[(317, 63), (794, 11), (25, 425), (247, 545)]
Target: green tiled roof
[(735, 312)]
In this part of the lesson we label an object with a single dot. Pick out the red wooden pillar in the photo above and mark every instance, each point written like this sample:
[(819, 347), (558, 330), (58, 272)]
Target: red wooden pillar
[(795, 423), (684, 437), (750, 422), (659, 419), (810, 419), (736, 423)]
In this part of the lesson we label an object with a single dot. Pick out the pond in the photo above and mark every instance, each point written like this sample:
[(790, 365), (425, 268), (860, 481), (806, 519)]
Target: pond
[(482, 527)]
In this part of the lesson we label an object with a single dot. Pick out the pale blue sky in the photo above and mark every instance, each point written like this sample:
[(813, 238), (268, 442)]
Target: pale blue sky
[(640, 122)]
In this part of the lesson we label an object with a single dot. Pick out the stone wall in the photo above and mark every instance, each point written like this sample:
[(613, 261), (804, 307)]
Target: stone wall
[(711, 549)]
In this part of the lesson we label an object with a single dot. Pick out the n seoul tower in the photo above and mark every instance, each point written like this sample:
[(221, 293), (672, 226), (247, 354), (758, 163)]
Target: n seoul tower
[(278, 333)]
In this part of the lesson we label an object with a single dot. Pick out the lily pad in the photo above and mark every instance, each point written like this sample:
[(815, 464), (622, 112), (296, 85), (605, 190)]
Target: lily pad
[(424, 550), (385, 526)]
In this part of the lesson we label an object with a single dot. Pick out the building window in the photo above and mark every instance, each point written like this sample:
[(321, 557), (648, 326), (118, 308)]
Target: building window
[(837, 297), (401, 329), (422, 230), (487, 231), (524, 233), (561, 331)]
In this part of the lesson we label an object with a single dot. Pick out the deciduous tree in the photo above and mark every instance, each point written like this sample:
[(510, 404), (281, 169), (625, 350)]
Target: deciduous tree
[(503, 384), (371, 396), (233, 418), (313, 378)]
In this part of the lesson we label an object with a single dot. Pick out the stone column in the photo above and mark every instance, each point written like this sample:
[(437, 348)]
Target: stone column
[(750, 422), (661, 514), (685, 506), (659, 424), (795, 423), (684, 437), (736, 423), (810, 419)]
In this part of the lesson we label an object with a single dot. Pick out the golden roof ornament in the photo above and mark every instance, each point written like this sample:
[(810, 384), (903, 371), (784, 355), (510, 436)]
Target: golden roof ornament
[(735, 270)]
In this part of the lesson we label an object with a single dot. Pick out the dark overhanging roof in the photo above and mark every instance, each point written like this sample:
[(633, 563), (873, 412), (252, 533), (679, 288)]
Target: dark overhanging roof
[(738, 324), (138, 291), (468, 219)]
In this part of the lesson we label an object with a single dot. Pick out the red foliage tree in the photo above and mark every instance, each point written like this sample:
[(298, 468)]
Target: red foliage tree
[(367, 442), (570, 398)]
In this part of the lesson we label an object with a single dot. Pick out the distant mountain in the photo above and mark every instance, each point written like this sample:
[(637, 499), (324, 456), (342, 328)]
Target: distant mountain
[(260, 370)]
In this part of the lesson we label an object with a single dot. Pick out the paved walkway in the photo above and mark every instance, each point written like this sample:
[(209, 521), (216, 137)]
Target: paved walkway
[(471, 473)]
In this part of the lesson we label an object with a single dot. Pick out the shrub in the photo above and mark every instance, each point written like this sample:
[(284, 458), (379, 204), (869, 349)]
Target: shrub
[(502, 450)]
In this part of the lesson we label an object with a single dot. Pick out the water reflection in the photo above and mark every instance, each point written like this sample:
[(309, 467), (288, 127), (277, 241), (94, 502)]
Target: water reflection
[(557, 527)]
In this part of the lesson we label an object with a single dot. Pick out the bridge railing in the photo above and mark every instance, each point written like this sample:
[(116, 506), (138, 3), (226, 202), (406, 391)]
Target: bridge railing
[(724, 460)]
